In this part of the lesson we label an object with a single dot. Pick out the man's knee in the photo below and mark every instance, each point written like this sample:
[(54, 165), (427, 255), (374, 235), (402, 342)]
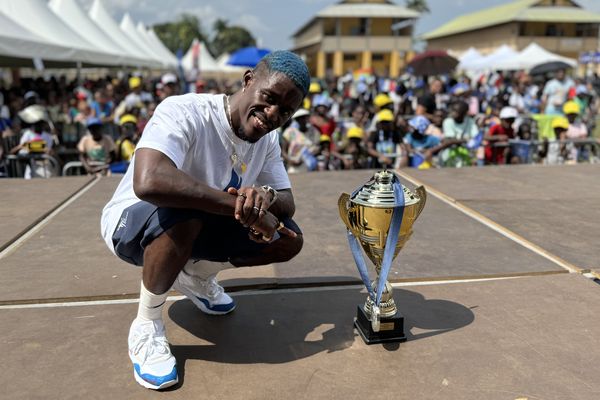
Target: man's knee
[(180, 236), (292, 248)]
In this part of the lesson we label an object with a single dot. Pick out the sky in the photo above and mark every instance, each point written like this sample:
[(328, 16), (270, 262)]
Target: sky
[(273, 22)]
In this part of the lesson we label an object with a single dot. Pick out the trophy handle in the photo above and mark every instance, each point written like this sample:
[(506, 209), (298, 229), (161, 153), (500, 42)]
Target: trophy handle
[(423, 196), (343, 207)]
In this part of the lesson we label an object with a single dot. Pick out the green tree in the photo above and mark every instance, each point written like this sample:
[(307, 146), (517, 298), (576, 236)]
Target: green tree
[(228, 39), (418, 5), (180, 34)]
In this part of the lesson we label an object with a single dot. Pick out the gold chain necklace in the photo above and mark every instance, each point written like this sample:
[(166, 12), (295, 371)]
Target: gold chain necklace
[(235, 159)]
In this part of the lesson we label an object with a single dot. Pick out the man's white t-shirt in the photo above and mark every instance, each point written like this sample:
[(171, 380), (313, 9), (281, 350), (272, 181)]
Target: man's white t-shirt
[(194, 132)]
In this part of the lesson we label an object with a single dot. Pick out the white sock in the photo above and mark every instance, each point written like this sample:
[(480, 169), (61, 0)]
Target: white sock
[(205, 269), (151, 305)]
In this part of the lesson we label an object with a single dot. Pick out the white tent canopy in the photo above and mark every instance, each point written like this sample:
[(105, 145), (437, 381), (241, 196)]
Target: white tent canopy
[(205, 62), (72, 15), (109, 26), (160, 47), (231, 69), (531, 56), (490, 61), (468, 57), (36, 17), (128, 27), (168, 58), (17, 43)]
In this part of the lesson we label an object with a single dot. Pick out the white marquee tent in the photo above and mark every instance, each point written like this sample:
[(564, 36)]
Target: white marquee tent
[(36, 17), (18, 46), (160, 45), (72, 15), (468, 57), (531, 56), (229, 69), (205, 62), (128, 27), (490, 61), (109, 26), (167, 57)]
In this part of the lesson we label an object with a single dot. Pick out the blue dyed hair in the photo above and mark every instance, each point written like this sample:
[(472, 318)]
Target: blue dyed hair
[(291, 65)]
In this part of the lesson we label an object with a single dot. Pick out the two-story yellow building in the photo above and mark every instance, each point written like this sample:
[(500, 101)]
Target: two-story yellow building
[(352, 34), (560, 26)]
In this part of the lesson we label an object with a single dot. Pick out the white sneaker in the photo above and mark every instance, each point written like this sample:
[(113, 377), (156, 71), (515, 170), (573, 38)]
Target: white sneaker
[(206, 294), (154, 367)]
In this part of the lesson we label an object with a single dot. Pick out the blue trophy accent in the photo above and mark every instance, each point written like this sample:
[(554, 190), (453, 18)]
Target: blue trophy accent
[(390, 245), (379, 217)]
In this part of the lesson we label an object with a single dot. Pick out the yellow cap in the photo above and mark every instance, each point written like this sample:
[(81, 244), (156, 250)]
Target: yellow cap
[(306, 103), (128, 118), (314, 87), (134, 82), (355, 132), (324, 138), (560, 122), (571, 107), (385, 116), (381, 100)]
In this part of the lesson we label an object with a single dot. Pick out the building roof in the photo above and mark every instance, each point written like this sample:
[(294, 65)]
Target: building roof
[(520, 10), (361, 10)]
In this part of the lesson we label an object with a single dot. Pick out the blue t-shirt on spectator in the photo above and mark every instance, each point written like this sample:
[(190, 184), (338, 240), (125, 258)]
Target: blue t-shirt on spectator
[(102, 110), (423, 143)]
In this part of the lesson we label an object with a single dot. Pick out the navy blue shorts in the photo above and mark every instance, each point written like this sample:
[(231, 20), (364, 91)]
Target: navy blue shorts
[(222, 237)]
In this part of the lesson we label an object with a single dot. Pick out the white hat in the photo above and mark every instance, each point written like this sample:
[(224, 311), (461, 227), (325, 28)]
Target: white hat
[(300, 113), (33, 114), (167, 78), (508, 113)]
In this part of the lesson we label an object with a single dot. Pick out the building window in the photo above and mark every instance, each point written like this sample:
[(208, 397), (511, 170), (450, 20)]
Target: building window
[(378, 57), (349, 57), (551, 30)]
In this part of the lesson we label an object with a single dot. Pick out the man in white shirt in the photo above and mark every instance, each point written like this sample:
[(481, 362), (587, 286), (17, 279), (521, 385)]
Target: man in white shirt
[(206, 184)]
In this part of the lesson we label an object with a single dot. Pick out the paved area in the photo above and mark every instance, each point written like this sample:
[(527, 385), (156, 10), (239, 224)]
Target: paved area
[(526, 331)]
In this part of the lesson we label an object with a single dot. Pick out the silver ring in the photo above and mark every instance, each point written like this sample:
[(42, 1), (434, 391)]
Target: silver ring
[(242, 195), (256, 209)]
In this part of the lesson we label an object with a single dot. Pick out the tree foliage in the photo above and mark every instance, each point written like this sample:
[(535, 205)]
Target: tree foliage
[(228, 39), (418, 5), (179, 34), (225, 38)]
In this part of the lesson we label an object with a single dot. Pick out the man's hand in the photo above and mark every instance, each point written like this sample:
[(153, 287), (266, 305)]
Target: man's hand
[(251, 204), (265, 228)]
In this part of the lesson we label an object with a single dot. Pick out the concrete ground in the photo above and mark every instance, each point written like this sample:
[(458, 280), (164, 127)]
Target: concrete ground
[(494, 285)]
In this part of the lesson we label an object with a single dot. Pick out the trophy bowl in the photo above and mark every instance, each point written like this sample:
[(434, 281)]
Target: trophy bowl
[(368, 215)]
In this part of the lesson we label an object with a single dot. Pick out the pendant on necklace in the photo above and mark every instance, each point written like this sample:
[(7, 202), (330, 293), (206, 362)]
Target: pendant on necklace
[(235, 159)]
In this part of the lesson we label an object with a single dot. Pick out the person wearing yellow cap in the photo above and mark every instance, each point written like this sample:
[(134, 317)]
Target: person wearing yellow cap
[(353, 153), (385, 144), (129, 135), (556, 151), (576, 129), (381, 102)]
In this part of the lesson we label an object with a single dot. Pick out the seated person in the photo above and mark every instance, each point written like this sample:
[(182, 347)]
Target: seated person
[(385, 144), (298, 148), (353, 153), (496, 150), (553, 151), (125, 145), (96, 150), (35, 139), (458, 129), (421, 147)]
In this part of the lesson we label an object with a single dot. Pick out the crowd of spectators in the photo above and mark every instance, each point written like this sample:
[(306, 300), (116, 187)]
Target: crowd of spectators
[(365, 121), (348, 122)]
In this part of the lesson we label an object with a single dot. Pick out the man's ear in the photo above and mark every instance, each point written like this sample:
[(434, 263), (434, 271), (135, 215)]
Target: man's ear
[(248, 78)]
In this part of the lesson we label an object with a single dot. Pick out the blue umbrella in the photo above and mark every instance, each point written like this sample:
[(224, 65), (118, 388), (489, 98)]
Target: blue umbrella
[(247, 57)]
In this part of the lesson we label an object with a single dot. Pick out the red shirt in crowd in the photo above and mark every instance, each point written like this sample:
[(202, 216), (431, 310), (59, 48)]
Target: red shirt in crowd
[(495, 155)]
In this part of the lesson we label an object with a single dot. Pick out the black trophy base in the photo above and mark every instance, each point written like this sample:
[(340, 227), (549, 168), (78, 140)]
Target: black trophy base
[(391, 329)]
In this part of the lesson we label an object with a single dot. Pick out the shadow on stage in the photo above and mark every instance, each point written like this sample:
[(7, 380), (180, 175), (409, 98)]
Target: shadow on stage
[(279, 327)]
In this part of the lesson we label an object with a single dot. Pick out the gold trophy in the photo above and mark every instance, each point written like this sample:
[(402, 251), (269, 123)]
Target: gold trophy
[(380, 215)]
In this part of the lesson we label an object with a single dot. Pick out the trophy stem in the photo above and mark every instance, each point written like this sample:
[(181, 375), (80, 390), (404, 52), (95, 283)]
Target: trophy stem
[(387, 307)]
